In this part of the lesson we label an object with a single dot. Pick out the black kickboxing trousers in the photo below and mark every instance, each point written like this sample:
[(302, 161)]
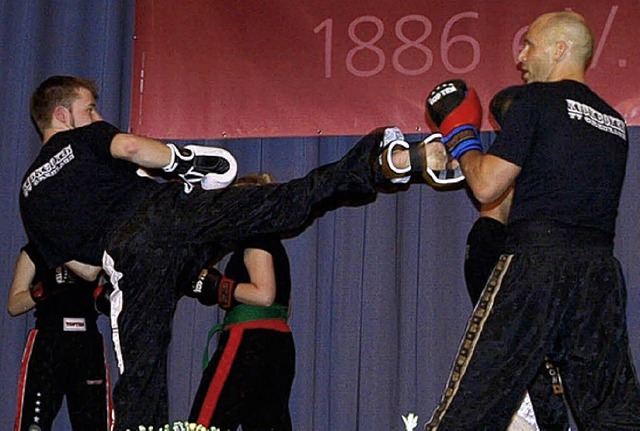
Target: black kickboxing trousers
[(559, 293), (173, 235), (248, 381), (485, 245), (58, 364)]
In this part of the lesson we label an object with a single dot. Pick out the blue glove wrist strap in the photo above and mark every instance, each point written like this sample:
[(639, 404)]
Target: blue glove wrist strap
[(462, 139)]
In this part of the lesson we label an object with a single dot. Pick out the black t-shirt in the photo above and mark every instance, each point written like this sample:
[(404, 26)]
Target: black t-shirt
[(572, 148), (236, 269), (75, 191), (73, 300)]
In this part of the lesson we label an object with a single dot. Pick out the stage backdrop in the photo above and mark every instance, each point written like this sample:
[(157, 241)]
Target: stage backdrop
[(215, 68)]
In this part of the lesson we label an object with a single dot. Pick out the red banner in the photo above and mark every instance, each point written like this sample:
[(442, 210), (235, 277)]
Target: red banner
[(206, 69)]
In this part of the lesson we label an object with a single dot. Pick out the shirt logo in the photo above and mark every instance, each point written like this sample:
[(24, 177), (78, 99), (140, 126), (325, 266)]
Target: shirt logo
[(47, 170), (606, 123), (74, 324)]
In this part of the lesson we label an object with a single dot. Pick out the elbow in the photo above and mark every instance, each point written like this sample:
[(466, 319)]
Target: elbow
[(486, 193), (13, 311), (124, 146), (91, 274), (267, 300), (484, 196)]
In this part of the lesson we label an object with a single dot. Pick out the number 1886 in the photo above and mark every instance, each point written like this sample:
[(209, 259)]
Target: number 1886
[(416, 44)]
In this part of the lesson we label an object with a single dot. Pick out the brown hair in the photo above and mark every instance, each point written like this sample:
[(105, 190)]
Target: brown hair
[(57, 90)]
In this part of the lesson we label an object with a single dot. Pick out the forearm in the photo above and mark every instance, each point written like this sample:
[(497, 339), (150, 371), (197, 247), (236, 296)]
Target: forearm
[(143, 151), (19, 299), (19, 303), (84, 270), (487, 176), (249, 293)]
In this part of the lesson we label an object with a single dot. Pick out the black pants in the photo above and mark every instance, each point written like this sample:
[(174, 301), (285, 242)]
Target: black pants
[(174, 235), (485, 245), (56, 364), (248, 381), (556, 293)]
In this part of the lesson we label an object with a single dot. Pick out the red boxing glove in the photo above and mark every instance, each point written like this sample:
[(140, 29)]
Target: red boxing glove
[(457, 112)]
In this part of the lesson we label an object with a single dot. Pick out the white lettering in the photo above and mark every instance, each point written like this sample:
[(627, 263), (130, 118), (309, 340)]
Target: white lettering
[(441, 92), (48, 170), (607, 123)]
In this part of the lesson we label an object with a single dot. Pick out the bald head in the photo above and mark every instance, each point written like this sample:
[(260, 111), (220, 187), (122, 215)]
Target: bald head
[(571, 28), (558, 45)]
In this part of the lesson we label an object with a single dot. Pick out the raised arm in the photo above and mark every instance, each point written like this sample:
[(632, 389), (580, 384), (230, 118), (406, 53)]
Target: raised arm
[(146, 152)]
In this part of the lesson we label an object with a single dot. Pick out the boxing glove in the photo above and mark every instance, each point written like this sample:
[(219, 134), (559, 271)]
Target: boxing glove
[(212, 287), (392, 140), (502, 101), (56, 282), (421, 156), (211, 167), (457, 112)]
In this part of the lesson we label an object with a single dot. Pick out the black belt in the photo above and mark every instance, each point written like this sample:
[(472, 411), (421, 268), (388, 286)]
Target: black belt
[(530, 234)]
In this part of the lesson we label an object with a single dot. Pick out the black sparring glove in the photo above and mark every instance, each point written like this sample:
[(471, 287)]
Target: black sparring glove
[(212, 287), (457, 112), (102, 296), (57, 280), (502, 101), (418, 159), (211, 167)]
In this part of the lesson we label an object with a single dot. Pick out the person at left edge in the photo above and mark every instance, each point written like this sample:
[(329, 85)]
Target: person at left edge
[(64, 353)]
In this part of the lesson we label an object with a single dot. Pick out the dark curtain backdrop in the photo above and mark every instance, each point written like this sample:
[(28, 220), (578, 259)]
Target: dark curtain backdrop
[(379, 299)]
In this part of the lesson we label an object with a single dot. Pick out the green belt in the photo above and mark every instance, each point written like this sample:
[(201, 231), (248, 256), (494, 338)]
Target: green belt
[(244, 313)]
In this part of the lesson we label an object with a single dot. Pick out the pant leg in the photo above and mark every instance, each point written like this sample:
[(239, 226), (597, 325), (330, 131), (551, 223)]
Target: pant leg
[(228, 216), (144, 325), (88, 396), (503, 347), (549, 408), (39, 395), (599, 376), (485, 244), (270, 381), (212, 382)]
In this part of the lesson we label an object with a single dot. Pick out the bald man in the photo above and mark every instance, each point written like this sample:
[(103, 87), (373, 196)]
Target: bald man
[(558, 291)]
